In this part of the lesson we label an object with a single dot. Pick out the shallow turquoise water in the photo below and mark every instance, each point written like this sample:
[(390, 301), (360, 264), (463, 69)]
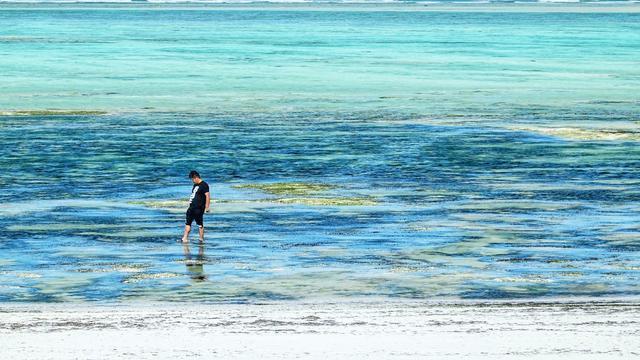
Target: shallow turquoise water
[(483, 155)]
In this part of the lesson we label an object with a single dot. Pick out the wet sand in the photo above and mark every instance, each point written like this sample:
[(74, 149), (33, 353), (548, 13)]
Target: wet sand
[(570, 329)]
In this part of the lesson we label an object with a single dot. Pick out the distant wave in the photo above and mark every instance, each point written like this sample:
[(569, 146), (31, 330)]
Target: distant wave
[(425, 2)]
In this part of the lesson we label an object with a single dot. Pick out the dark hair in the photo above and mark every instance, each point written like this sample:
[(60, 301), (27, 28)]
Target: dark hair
[(193, 174)]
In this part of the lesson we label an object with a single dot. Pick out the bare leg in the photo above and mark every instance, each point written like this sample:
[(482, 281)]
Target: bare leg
[(185, 237), (201, 231)]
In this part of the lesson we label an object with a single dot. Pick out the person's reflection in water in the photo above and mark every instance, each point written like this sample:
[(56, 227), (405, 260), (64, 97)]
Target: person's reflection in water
[(195, 267)]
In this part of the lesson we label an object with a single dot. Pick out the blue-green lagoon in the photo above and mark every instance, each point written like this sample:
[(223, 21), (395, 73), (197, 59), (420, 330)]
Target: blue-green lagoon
[(354, 151)]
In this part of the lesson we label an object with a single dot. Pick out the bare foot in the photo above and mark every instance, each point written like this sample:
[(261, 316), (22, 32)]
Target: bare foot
[(184, 240)]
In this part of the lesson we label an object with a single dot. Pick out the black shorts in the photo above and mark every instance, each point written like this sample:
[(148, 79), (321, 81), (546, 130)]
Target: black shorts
[(194, 214)]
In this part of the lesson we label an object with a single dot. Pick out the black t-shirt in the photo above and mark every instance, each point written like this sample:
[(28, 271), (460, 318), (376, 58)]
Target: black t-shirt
[(197, 200)]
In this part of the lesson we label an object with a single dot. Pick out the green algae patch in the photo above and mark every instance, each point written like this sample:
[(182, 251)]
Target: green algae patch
[(418, 227), (149, 276), (327, 201), (288, 188), (585, 134), (7, 262), (64, 287), (538, 279), (175, 205), (570, 274), (161, 204), (298, 190), (52, 112), (27, 275), (107, 268)]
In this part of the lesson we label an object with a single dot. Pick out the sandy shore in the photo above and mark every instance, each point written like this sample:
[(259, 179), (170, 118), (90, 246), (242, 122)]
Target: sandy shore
[(344, 330)]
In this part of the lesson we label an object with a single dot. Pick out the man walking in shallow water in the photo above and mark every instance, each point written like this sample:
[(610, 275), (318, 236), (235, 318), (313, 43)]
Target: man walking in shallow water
[(198, 205)]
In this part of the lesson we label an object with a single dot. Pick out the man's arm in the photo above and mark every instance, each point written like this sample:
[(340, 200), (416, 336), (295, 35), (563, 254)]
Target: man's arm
[(206, 205)]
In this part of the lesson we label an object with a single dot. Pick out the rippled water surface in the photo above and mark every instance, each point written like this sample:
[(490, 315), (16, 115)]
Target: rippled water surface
[(359, 153)]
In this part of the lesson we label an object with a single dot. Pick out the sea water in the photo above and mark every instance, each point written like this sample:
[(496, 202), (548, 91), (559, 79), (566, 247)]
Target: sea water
[(351, 152)]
